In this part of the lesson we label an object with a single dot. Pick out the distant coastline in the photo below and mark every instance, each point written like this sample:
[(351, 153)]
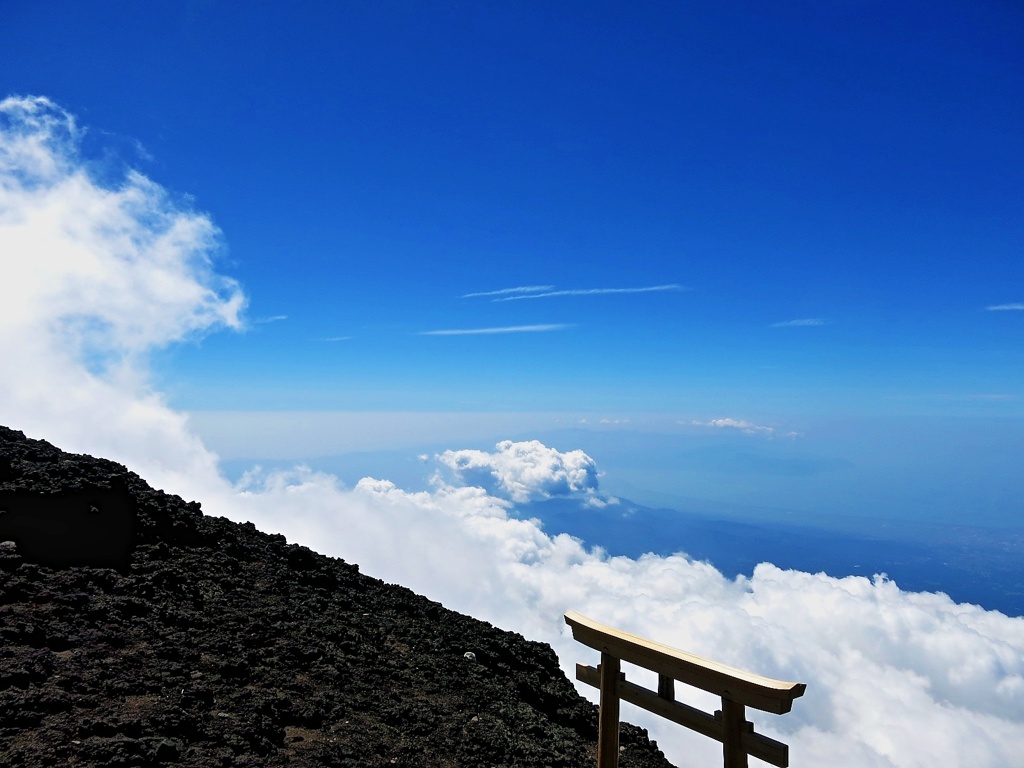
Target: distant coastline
[(971, 564)]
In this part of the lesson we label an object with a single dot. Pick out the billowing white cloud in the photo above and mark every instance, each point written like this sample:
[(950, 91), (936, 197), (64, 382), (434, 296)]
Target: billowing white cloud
[(895, 679), (742, 425), (95, 277), (523, 471)]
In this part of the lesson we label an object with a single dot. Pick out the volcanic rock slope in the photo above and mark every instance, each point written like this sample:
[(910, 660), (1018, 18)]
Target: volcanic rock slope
[(136, 631)]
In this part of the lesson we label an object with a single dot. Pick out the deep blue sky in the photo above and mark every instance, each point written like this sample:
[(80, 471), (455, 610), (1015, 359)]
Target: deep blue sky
[(828, 195), (834, 191)]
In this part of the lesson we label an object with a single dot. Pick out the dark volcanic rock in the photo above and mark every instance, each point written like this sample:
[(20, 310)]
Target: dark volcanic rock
[(136, 631), (82, 527)]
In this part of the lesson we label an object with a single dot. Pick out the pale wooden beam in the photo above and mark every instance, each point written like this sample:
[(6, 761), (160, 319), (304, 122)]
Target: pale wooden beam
[(752, 690)]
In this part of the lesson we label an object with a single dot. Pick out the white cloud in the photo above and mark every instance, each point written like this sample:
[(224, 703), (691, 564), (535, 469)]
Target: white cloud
[(1006, 307), (744, 426), (506, 329), (507, 291), (806, 322), (882, 665), (96, 277), (593, 292), (894, 678), (523, 471)]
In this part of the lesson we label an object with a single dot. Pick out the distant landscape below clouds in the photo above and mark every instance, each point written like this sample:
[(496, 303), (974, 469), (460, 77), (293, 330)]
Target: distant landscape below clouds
[(971, 562)]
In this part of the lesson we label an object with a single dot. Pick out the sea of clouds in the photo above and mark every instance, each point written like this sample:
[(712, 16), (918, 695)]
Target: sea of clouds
[(101, 269)]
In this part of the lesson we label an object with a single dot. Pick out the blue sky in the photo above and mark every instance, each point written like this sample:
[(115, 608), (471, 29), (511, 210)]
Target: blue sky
[(765, 267), (827, 197)]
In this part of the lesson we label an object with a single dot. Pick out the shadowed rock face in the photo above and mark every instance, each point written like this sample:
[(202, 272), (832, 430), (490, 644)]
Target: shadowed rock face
[(168, 636), (72, 528)]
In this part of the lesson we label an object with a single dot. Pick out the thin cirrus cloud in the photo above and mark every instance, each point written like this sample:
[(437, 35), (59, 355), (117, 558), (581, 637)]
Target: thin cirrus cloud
[(508, 291), (1018, 306), (504, 329), (805, 322), (590, 292)]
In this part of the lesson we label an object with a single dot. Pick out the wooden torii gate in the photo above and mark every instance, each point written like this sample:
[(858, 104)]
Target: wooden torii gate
[(737, 688)]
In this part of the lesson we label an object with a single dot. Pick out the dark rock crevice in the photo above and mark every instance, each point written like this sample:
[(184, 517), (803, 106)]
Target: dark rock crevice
[(192, 640)]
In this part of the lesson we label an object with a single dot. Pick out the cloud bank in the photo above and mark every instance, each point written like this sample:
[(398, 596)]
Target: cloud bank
[(97, 276)]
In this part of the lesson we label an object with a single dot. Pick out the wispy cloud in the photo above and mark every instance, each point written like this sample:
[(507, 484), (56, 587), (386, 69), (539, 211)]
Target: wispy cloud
[(1019, 306), (507, 291), (955, 397), (273, 319), (593, 292), (748, 427), (505, 329), (337, 338), (802, 323)]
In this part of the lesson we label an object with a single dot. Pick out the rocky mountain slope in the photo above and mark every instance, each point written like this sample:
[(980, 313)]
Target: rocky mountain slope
[(136, 631)]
